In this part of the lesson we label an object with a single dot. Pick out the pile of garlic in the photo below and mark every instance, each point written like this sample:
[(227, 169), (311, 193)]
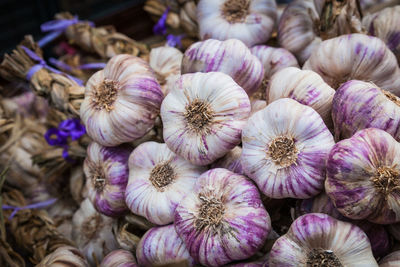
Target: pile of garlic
[(244, 125)]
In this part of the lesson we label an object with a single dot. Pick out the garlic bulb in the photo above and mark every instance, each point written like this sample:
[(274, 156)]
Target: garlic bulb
[(223, 219), (166, 62), (273, 59), (257, 105), (305, 22), (188, 18), (162, 245), (285, 147), (92, 232), (64, 256), (319, 204), (121, 102), (158, 181), (356, 57), (317, 239), (203, 116), (378, 237), (119, 258), (106, 171), (250, 21), (358, 105), (304, 86), (363, 176), (385, 25), (231, 57), (391, 260), (231, 161)]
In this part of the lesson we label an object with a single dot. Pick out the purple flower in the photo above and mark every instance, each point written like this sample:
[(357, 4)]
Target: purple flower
[(72, 128), (161, 26), (54, 137), (174, 40)]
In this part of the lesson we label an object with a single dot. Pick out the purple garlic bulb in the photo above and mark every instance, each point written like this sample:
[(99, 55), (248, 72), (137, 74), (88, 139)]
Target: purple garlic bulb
[(363, 177), (223, 219), (119, 258), (358, 105), (285, 147), (162, 245), (230, 161), (316, 239), (158, 180), (231, 57), (106, 170), (391, 260)]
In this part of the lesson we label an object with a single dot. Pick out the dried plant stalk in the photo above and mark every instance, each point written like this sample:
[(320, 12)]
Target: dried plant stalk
[(62, 92), (104, 41)]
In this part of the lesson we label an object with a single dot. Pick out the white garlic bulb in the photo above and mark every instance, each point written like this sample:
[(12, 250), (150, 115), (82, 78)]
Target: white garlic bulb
[(92, 232), (203, 116), (304, 86), (64, 256), (285, 147), (166, 62), (356, 57), (121, 101), (231, 57), (158, 181), (250, 21)]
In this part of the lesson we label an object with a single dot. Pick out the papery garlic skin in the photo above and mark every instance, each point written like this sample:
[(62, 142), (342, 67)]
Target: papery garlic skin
[(162, 245), (391, 260), (356, 57), (231, 57), (166, 61), (106, 170), (363, 176), (257, 105), (158, 180), (121, 101), (385, 25), (203, 116), (250, 21), (316, 237), (223, 219), (358, 105), (304, 86), (319, 204), (285, 147), (64, 256), (273, 59), (92, 232), (119, 258), (231, 161)]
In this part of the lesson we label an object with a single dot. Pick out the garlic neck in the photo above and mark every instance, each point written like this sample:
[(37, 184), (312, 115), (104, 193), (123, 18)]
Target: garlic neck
[(91, 225), (282, 151), (321, 257), (235, 11), (105, 95)]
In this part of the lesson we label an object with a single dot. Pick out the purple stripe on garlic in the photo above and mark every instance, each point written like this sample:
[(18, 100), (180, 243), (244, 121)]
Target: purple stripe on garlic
[(285, 147), (162, 245), (250, 21), (106, 171), (231, 57), (356, 57), (121, 102), (363, 176), (223, 219), (158, 180), (317, 239), (119, 258), (304, 86), (203, 116), (358, 105)]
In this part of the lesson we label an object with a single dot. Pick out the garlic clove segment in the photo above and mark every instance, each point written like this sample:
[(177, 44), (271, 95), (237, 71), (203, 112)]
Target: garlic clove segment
[(317, 239), (304, 86), (162, 245), (121, 101), (119, 258), (356, 57), (231, 57), (358, 105), (391, 260), (203, 116), (158, 180), (285, 147), (223, 219), (106, 170), (92, 233), (250, 21), (363, 176)]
